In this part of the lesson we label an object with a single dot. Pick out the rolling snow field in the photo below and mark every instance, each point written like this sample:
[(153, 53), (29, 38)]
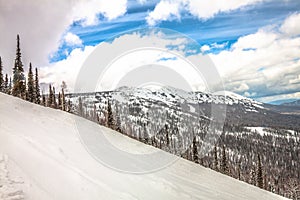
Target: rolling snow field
[(42, 157)]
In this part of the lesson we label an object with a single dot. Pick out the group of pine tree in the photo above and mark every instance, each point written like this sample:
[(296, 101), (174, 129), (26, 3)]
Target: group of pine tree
[(29, 89), (253, 167)]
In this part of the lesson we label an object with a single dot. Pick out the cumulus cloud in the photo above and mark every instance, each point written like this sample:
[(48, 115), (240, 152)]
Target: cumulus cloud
[(205, 48), (67, 69), (167, 9), (88, 10), (291, 25), (72, 39), (64, 70), (42, 25), (267, 61), (163, 11)]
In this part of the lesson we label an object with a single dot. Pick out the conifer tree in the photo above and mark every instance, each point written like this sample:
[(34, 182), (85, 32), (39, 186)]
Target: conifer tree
[(6, 85), (63, 99), (259, 178), (69, 106), (216, 163), (224, 164), (118, 121), (37, 88), (54, 104), (50, 97), (239, 171), (110, 117), (253, 176), (1, 77), (30, 85), (195, 150), (9, 86), (80, 107), (19, 87), (43, 100), (167, 136), (59, 101)]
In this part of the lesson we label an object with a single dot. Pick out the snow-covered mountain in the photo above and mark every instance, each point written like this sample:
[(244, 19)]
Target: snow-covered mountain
[(139, 102), (42, 157)]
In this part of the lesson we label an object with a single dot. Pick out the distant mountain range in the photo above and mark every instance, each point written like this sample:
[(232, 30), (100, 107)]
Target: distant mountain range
[(293, 103), (138, 102)]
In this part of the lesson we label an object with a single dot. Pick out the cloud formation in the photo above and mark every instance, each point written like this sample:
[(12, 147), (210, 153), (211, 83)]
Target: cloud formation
[(268, 61), (72, 39), (169, 10), (42, 25)]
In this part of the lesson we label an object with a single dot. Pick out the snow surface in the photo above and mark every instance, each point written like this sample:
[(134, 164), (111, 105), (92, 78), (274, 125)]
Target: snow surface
[(42, 157)]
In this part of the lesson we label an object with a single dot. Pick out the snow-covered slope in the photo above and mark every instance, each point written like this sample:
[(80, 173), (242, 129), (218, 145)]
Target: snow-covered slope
[(43, 158)]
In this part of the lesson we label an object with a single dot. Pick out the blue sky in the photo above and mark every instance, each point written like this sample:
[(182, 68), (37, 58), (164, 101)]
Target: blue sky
[(254, 44), (223, 28)]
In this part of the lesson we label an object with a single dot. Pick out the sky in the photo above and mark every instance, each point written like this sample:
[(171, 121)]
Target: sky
[(254, 44)]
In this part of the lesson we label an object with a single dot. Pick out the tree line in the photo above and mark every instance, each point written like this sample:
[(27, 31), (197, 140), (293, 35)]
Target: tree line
[(270, 162), (28, 88)]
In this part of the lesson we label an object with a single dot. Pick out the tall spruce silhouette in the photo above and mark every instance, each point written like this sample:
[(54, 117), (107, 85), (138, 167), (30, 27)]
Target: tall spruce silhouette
[(19, 88)]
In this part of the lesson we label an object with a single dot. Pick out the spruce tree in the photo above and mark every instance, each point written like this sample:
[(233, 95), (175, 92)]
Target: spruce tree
[(167, 136), (54, 104), (118, 121), (30, 85), (6, 85), (63, 99), (80, 107), (19, 87), (223, 166), (259, 177), (37, 88), (43, 100), (59, 101), (50, 97), (69, 106), (110, 117), (1, 77), (9, 86), (216, 163), (195, 150)]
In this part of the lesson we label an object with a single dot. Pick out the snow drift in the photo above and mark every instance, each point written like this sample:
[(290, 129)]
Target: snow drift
[(42, 157)]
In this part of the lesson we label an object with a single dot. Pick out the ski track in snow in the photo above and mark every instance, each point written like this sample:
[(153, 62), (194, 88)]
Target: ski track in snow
[(10, 188)]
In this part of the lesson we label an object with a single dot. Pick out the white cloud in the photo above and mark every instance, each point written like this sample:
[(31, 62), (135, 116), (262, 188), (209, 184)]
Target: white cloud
[(42, 25), (267, 61), (219, 46), (65, 70), (295, 95), (291, 25), (88, 10), (204, 10), (165, 9), (72, 39), (205, 48), (142, 1), (242, 88)]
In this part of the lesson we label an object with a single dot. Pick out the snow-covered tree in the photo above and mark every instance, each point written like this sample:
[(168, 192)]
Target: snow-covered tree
[(37, 92), (30, 85), (19, 87), (259, 175), (1, 77)]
